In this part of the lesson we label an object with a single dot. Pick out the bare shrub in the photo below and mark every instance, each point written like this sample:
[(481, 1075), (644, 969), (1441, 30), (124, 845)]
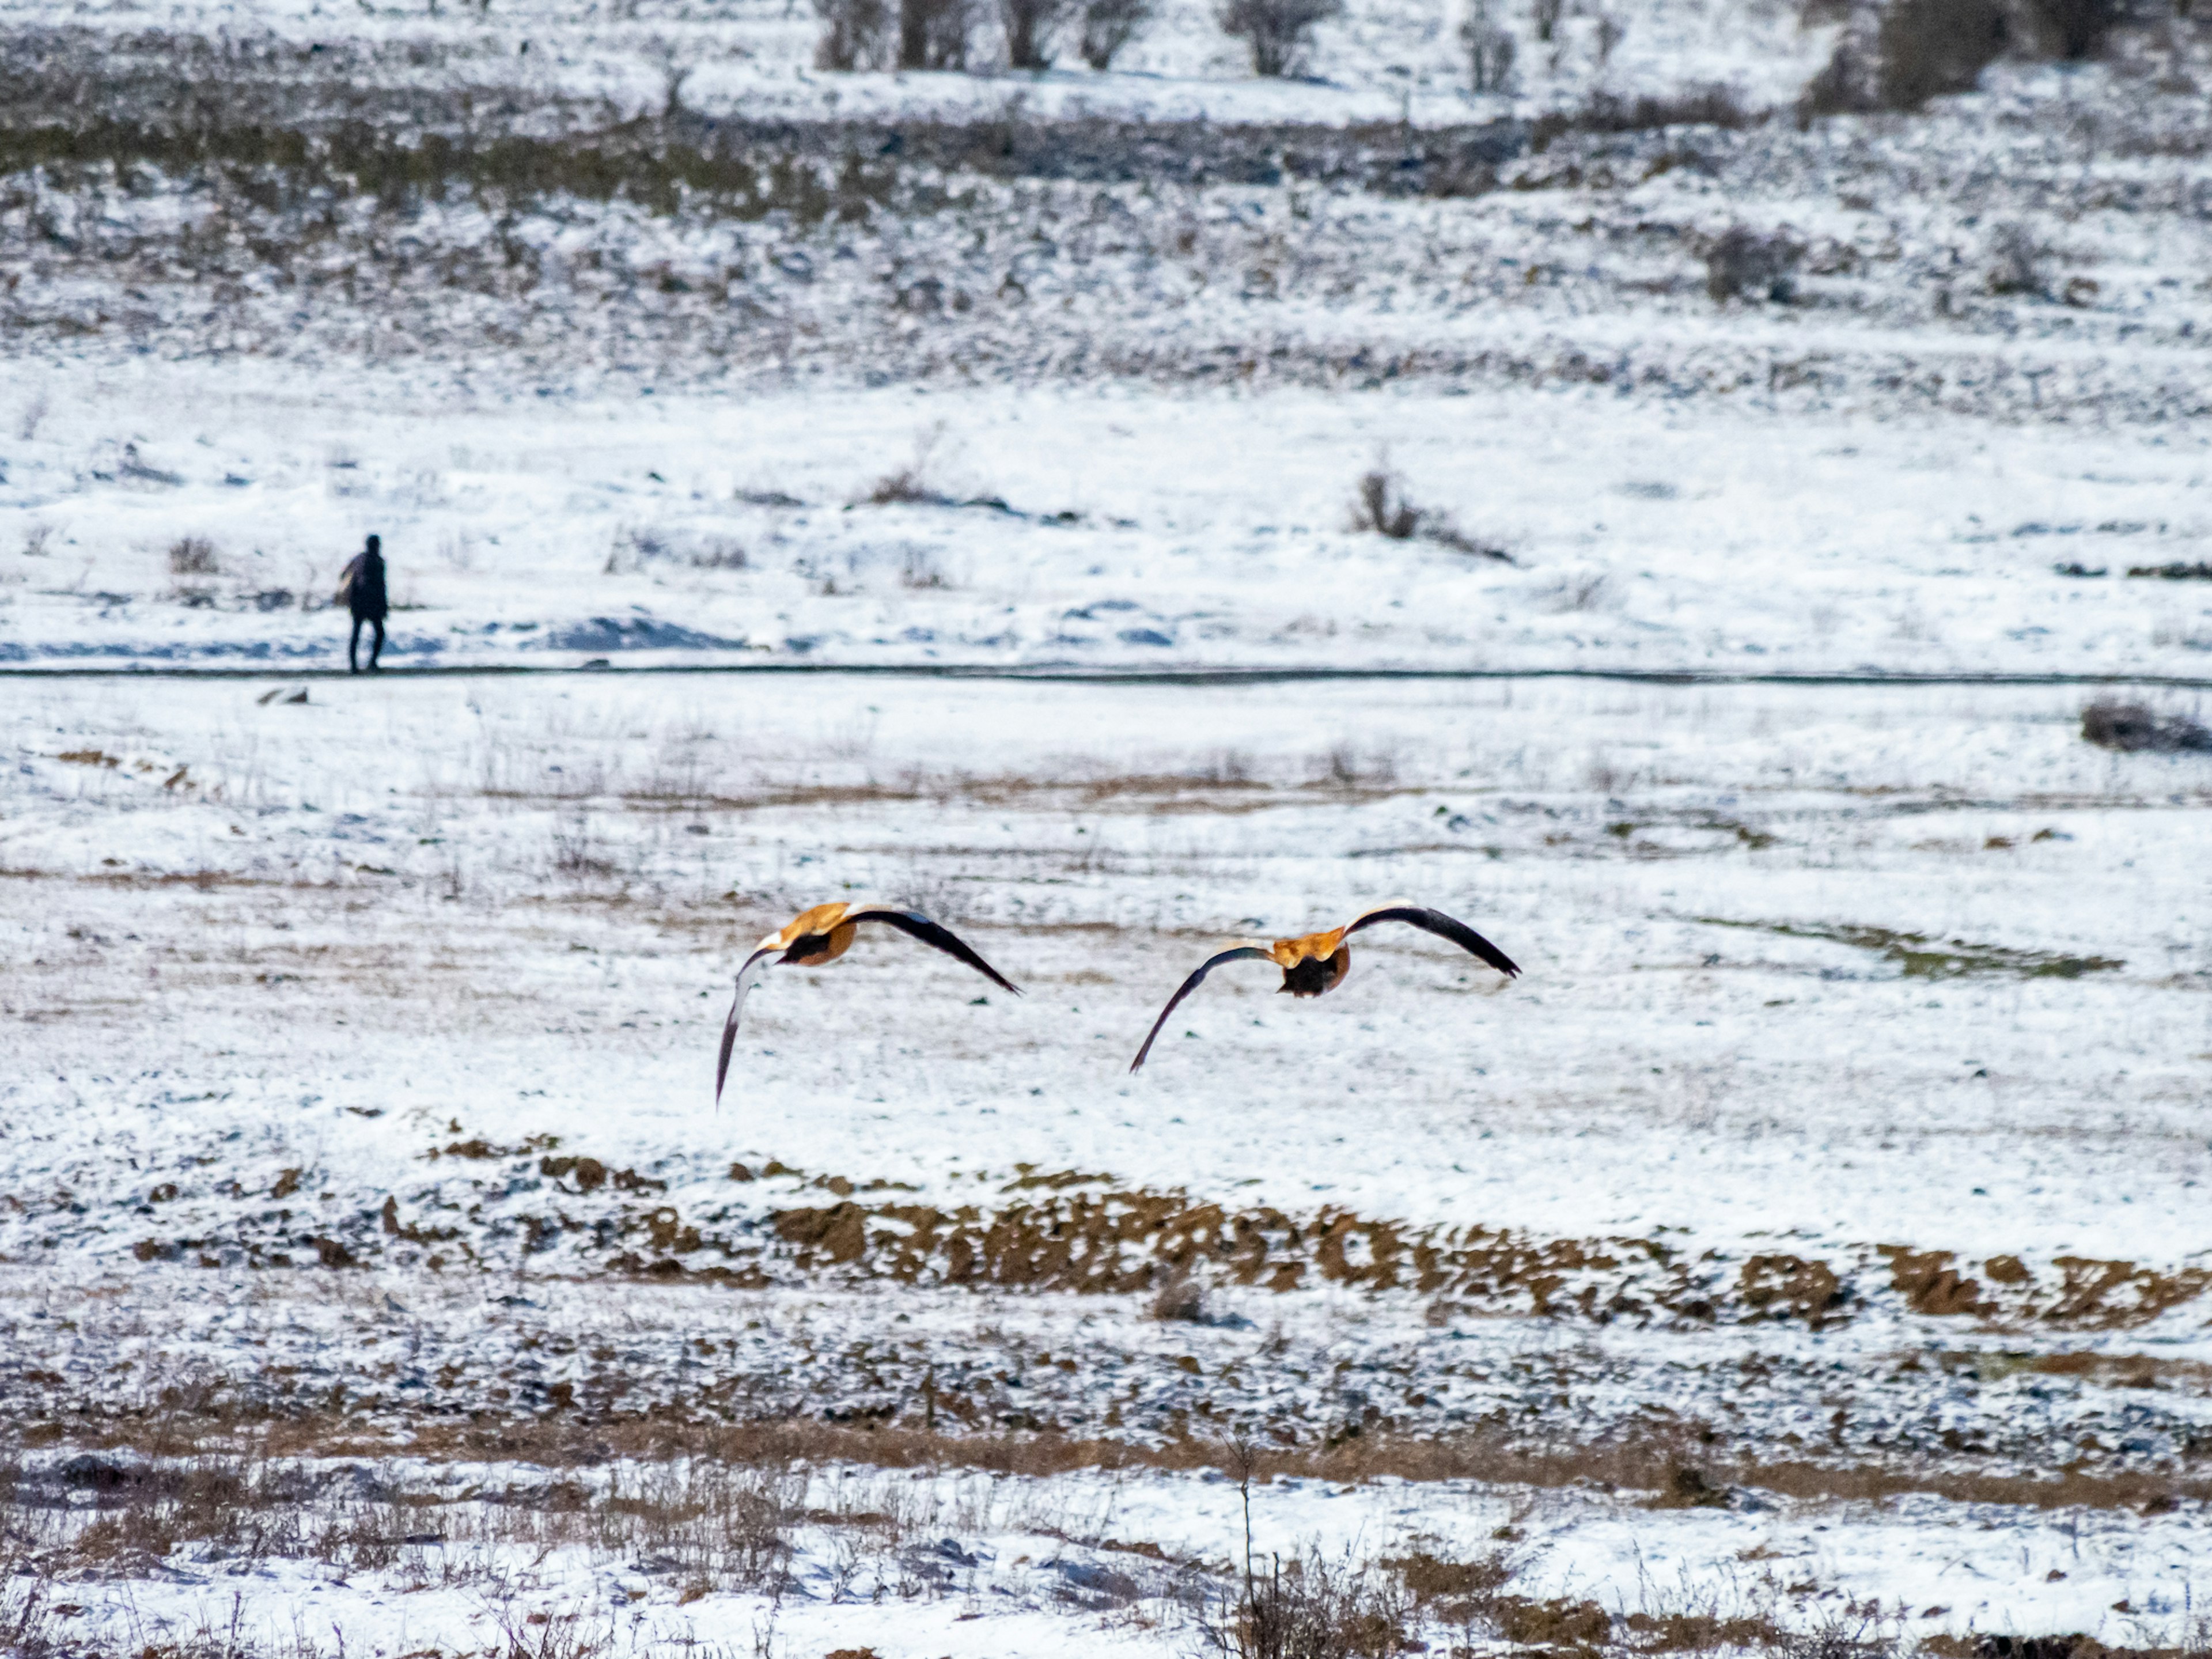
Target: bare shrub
[(1109, 26), (900, 488), (1181, 1300), (576, 850), (1926, 48), (2136, 728), (1380, 506), (2073, 29), (35, 537), (1741, 262), (1544, 16), (2015, 261), (1310, 1607), (193, 555), (910, 485), (1611, 32), (933, 34), (1712, 106), (1030, 25), (717, 553), (1490, 50), (33, 418), (919, 570), (1277, 32), (854, 33)]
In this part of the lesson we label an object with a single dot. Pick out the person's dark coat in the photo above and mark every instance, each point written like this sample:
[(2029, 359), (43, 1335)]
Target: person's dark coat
[(362, 584)]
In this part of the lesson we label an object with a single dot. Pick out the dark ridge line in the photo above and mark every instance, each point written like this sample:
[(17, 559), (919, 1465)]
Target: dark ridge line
[(1070, 674)]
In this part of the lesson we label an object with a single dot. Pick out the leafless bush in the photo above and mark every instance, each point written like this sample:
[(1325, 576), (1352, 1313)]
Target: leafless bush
[(1713, 106), (918, 569), (1584, 591), (1380, 506), (717, 554), (193, 555), (933, 34), (35, 537), (1109, 26), (2015, 261), (1611, 32), (33, 416), (1743, 262), (2073, 29), (902, 488), (1030, 25), (1276, 31), (910, 485), (1490, 50), (1346, 768), (1544, 16), (1926, 48), (1310, 1607), (576, 850), (853, 32), (2136, 728), (1181, 1300)]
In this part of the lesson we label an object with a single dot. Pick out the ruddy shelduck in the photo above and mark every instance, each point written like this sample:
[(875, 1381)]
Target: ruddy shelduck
[(1316, 965), (822, 935)]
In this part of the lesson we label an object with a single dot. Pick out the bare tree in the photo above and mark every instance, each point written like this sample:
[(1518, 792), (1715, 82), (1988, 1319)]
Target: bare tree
[(1611, 31), (1490, 50), (1278, 31), (1546, 16), (933, 34), (853, 32), (1109, 26), (1030, 25)]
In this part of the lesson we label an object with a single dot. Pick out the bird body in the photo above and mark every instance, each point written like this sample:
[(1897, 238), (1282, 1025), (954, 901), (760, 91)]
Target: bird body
[(823, 933), (1314, 964)]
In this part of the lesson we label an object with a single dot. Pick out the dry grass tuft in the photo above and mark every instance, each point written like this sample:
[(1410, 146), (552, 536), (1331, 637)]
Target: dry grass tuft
[(2136, 728), (1379, 506), (1311, 1607), (194, 555)]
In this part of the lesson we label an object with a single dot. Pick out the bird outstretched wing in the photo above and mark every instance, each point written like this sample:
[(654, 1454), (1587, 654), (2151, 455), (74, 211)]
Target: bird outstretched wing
[(748, 976), (1236, 954), (915, 925), (1444, 927)]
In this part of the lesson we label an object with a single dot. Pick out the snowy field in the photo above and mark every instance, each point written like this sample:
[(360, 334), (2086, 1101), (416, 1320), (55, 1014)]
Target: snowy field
[(1806, 1257), (1843, 1144), (1092, 528)]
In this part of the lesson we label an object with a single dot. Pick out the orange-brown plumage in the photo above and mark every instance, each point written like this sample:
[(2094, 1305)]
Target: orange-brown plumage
[(1314, 964), (822, 934)]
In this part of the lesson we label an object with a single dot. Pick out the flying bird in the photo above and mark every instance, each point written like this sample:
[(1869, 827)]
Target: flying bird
[(1315, 965), (822, 935)]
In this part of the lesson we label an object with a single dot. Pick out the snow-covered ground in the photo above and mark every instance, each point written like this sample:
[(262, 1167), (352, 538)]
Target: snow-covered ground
[(353, 1063), (1000, 1567), (1812, 1238), (1088, 528)]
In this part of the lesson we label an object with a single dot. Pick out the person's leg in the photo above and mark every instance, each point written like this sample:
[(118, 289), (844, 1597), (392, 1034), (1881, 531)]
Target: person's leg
[(353, 648), (376, 646)]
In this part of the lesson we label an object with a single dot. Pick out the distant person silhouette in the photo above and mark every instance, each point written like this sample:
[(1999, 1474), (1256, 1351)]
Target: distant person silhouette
[(360, 584)]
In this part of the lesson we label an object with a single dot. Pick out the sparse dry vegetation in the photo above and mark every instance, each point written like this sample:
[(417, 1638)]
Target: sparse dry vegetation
[(194, 555), (1276, 31), (1379, 506), (2137, 728), (1109, 26), (1743, 264)]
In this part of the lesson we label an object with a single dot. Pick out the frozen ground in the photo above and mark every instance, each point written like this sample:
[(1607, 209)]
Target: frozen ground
[(355, 1074), (1806, 1257), (1096, 528), (903, 384)]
